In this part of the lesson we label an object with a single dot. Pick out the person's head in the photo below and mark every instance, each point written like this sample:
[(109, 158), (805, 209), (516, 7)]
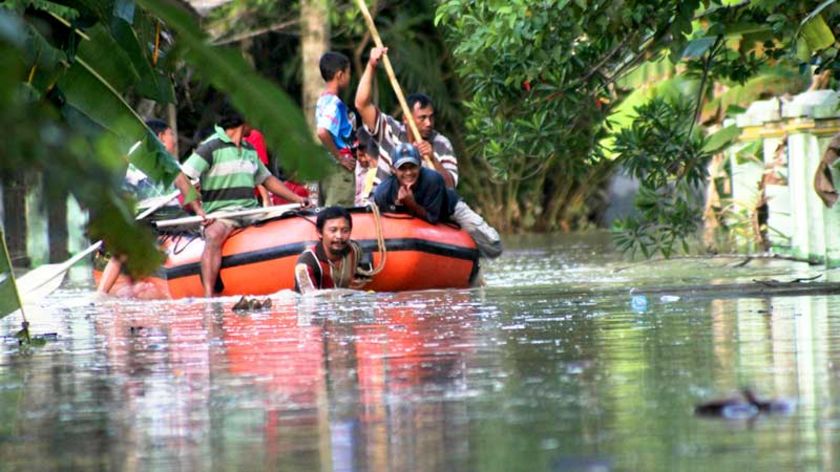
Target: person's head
[(164, 134), (423, 112), (335, 67), (406, 164), (334, 225), (230, 119), (367, 149)]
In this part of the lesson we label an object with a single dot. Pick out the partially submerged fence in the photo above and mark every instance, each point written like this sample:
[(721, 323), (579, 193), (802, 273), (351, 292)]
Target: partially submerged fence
[(776, 160)]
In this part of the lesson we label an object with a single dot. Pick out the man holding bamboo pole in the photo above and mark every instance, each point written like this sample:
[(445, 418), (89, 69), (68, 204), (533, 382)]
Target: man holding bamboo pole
[(388, 132), (400, 147)]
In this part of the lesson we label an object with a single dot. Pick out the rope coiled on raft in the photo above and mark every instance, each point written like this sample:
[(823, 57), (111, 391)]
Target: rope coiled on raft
[(380, 243)]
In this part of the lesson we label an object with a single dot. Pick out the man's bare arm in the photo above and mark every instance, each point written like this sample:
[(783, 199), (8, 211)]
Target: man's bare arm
[(364, 93)]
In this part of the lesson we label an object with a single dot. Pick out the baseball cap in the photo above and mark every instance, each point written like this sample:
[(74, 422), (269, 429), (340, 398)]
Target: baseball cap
[(406, 153)]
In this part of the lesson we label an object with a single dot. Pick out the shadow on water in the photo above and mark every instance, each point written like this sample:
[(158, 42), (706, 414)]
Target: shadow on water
[(550, 367)]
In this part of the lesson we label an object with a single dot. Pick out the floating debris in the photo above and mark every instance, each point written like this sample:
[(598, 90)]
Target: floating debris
[(252, 304), (742, 406)]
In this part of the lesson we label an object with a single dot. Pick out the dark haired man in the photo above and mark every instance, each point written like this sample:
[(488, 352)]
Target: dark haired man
[(389, 133), (138, 183), (333, 262), (335, 128), (228, 170)]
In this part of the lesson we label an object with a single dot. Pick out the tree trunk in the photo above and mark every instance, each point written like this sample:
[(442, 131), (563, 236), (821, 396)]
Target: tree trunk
[(14, 219), (314, 42), (57, 225)]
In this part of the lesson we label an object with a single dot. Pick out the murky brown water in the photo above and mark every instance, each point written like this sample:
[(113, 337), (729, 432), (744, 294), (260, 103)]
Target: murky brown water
[(552, 366)]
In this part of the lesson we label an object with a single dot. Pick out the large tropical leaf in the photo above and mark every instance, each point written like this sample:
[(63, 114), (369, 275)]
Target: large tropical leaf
[(9, 298), (93, 96), (624, 114)]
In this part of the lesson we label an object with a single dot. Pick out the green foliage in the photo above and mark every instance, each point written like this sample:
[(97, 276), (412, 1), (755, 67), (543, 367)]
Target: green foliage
[(669, 156), (9, 299), (663, 146), (539, 76), (69, 68), (668, 220)]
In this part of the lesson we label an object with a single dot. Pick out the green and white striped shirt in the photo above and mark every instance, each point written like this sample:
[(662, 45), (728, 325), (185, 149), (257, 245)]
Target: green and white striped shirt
[(228, 174)]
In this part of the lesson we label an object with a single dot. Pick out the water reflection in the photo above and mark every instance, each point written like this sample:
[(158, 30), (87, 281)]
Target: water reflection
[(509, 378)]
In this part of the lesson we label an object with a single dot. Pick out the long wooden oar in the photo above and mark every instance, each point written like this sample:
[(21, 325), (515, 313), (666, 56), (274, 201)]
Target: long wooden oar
[(392, 77), (43, 280), (269, 212)]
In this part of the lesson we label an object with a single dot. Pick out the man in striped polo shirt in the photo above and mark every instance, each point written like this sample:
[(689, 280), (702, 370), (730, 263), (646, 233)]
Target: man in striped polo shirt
[(228, 169), (389, 133)]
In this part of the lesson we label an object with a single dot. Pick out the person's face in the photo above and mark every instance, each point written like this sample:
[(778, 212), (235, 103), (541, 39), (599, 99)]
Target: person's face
[(246, 130), (344, 78), (167, 138), (424, 117), (365, 160), (407, 174), (335, 236)]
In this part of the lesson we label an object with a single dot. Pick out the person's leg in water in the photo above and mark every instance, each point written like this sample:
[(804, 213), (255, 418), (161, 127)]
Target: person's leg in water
[(485, 236), (109, 274), (215, 235)]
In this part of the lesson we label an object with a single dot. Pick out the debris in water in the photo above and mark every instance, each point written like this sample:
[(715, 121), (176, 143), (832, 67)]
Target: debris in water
[(742, 406), (252, 304), (639, 302)]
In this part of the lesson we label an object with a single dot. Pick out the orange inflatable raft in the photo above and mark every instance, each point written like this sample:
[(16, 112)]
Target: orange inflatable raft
[(259, 259)]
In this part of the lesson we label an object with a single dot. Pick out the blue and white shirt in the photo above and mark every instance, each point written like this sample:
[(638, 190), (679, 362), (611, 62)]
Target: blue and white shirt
[(332, 114)]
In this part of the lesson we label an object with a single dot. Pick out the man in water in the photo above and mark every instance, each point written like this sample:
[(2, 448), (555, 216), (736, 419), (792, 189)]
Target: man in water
[(334, 261)]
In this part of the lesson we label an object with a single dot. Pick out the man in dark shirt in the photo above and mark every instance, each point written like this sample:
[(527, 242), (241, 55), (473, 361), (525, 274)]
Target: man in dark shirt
[(334, 262), (421, 192)]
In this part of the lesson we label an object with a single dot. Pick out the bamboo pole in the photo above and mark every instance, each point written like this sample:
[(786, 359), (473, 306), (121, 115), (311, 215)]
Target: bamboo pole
[(392, 77)]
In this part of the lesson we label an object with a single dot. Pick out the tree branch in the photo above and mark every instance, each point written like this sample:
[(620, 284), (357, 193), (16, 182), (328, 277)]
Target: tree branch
[(256, 32)]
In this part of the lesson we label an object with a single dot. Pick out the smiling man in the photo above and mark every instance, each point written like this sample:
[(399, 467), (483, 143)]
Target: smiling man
[(334, 261), (421, 192)]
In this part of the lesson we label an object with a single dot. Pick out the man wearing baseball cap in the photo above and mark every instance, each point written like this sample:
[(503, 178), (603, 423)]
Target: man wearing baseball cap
[(422, 193)]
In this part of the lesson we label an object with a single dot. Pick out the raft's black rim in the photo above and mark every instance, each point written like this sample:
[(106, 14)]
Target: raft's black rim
[(293, 249)]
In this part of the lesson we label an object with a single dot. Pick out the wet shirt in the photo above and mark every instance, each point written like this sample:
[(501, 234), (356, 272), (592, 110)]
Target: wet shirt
[(331, 114), (389, 133), (314, 271), (228, 174), (430, 192)]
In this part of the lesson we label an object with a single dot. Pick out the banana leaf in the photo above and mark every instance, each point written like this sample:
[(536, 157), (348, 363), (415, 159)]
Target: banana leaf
[(9, 299)]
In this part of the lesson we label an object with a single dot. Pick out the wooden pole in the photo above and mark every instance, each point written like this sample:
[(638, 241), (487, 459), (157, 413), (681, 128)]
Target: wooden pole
[(392, 77)]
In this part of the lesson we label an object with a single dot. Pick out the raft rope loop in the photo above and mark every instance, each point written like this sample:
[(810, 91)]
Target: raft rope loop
[(380, 242)]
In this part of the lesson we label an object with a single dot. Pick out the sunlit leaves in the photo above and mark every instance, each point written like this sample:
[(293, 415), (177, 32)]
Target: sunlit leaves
[(662, 146), (669, 219)]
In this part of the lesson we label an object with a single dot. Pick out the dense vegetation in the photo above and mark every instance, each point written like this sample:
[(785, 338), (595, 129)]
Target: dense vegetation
[(549, 84)]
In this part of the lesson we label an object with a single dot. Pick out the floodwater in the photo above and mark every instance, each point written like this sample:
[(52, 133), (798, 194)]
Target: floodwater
[(552, 366)]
